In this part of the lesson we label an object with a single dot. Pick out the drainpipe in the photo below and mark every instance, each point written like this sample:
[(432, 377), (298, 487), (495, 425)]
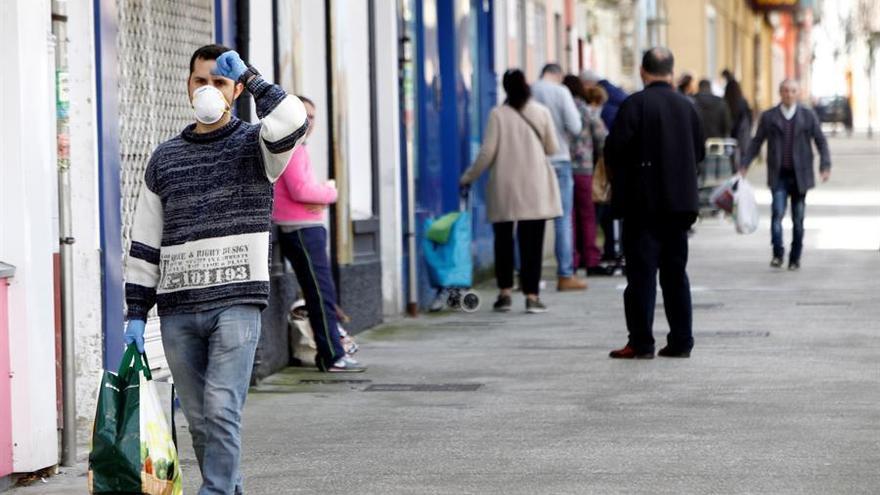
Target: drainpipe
[(62, 103)]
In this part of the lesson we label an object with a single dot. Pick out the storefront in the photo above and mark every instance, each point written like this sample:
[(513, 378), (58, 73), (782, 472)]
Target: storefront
[(448, 86)]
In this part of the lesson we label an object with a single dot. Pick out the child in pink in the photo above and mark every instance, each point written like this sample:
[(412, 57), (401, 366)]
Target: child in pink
[(300, 203)]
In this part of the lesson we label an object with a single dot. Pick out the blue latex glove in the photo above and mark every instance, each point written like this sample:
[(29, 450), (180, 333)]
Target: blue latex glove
[(230, 65), (134, 334)]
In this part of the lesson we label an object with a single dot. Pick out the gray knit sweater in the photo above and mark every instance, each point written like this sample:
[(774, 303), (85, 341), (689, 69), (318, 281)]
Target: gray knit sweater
[(200, 238)]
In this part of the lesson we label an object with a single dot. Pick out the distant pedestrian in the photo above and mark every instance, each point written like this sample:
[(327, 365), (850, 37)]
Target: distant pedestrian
[(740, 113), (789, 129), (200, 249), (299, 212), (686, 85), (550, 92), (616, 95), (585, 147), (522, 191), (611, 229), (652, 152), (713, 111)]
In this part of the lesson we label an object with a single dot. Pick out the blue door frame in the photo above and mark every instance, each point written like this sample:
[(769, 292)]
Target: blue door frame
[(106, 66)]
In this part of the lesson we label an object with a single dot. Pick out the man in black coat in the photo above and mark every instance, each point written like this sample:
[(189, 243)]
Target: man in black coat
[(789, 130), (652, 154)]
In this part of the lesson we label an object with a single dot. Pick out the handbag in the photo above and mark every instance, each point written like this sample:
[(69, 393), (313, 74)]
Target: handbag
[(601, 184)]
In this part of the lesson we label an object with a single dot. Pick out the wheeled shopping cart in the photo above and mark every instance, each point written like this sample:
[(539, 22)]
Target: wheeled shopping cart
[(719, 165), (447, 248)]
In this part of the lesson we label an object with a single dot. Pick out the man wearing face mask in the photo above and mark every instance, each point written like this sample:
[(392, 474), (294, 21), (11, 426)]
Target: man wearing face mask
[(200, 249)]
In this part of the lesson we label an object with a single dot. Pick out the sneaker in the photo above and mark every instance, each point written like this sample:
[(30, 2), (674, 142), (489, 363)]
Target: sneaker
[(570, 284), (794, 266), (503, 304), (439, 302), (535, 306), (346, 365), (776, 262), (348, 343)]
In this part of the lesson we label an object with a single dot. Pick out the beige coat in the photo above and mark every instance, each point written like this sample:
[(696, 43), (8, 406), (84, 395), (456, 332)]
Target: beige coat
[(522, 183)]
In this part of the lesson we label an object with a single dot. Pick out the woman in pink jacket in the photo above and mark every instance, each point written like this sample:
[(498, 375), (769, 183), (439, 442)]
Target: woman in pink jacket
[(300, 203)]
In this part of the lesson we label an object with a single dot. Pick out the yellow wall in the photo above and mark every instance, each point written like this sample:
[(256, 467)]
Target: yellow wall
[(686, 33), (736, 27)]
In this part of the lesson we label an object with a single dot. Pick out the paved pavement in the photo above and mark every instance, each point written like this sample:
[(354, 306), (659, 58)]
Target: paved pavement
[(781, 395)]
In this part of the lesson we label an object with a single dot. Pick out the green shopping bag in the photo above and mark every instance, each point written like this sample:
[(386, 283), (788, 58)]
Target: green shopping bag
[(133, 445)]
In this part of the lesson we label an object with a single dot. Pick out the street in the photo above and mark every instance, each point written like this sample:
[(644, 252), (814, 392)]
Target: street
[(780, 396)]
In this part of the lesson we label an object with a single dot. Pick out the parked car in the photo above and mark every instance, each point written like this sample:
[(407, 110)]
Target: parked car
[(835, 110)]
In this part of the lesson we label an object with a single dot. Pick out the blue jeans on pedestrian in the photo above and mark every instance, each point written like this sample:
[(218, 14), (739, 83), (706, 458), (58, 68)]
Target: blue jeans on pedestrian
[(211, 356), (563, 225), (786, 187)]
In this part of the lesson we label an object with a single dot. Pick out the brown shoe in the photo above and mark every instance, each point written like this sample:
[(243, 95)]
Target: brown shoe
[(570, 284), (628, 352)]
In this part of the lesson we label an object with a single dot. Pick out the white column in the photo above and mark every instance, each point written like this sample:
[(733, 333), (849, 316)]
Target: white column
[(27, 183), (85, 215), (385, 49)]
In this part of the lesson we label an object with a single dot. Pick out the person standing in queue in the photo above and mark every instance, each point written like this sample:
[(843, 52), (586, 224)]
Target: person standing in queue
[(523, 191), (652, 154)]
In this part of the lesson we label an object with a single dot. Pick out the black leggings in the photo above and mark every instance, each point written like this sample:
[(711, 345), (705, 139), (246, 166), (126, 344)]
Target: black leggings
[(530, 235)]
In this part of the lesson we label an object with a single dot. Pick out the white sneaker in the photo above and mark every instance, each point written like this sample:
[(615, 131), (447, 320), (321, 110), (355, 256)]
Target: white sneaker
[(346, 365)]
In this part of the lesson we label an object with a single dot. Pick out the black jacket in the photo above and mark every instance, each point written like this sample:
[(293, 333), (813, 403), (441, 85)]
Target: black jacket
[(807, 129), (715, 114), (652, 154)]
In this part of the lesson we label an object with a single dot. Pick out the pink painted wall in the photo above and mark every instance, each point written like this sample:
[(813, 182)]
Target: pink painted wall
[(5, 391)]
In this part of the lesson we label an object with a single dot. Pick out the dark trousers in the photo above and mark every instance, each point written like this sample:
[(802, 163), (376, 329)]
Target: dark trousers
[(787, 188), (605, 220), (306, 249), (648, 248), (586, 252), (530, 237)]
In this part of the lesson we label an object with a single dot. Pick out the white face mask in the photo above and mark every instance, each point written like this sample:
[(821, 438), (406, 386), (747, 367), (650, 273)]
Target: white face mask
[(209, 104)]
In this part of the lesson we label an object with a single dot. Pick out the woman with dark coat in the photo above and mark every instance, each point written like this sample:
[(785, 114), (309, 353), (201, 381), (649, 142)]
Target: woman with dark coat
[(741, 114)]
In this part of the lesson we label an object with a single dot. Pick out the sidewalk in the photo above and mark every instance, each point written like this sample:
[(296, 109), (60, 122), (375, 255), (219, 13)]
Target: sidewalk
[(781, 394)]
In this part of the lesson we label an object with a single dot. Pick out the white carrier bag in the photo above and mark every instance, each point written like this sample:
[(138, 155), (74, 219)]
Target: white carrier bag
[(745, 207)]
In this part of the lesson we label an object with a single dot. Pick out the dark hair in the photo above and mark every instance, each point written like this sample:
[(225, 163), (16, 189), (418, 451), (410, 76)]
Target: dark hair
[(705, 85), (658, 61), (306, 99), (207, 52), (516, 87), (596, 95), (684, 83), (574, 84), (551, 68), (733, 95), (727, 75)]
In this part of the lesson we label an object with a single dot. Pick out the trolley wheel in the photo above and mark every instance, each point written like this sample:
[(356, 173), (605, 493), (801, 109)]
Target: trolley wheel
[(454, 299), (470, 302)]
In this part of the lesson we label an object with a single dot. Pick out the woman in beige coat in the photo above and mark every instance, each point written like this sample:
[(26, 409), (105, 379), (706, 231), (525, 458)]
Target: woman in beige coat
[(522, 187)]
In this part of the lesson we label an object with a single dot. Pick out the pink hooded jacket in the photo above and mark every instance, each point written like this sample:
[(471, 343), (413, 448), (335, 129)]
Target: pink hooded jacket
[(297, 188)]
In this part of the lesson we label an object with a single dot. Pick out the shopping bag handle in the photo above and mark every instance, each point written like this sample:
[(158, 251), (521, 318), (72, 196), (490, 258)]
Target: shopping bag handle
[(133, 361)]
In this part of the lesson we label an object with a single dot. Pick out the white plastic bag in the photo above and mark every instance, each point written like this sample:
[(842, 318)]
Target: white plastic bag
[(161, 466), (745, 207), (722, 197)]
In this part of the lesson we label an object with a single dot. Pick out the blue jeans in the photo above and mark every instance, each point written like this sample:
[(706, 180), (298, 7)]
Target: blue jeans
[(562, 225), (211, 356), (786, 187)]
